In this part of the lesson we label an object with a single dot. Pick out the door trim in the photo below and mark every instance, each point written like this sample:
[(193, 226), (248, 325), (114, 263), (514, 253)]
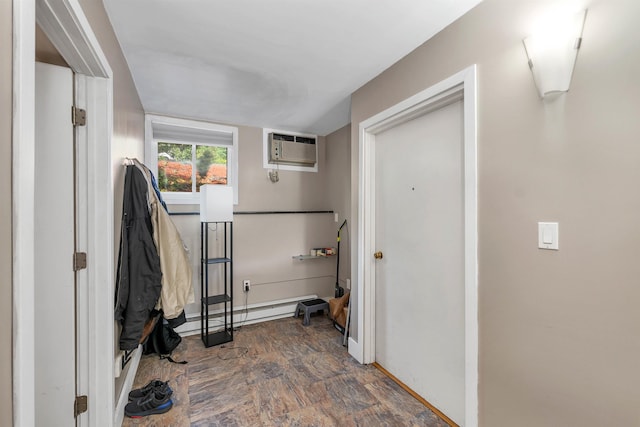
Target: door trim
[(65, 24), (462, 85)]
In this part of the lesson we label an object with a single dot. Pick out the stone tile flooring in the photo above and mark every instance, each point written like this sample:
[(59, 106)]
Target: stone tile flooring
[(278, 373)]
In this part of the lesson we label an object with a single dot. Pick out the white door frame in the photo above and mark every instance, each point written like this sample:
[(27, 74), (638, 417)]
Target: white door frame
[(462, 83), (64, 22)]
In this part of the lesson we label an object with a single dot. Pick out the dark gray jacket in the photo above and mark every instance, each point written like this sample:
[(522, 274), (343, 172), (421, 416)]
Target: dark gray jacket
[(139, 277)]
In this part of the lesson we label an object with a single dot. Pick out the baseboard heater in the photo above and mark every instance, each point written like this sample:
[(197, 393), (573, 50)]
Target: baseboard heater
[(253, 313)]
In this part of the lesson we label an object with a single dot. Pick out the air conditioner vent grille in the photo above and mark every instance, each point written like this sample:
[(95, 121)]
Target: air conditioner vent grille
[(292, 149), (282, 137), (305, 140)]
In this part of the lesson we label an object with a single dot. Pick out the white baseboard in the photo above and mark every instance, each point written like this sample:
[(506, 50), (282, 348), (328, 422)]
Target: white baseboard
[(254, 313), (355, 350), (123, 399)]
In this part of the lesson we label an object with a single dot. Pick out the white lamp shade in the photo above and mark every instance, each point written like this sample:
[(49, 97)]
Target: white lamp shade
[(216, 203), (552, 54)]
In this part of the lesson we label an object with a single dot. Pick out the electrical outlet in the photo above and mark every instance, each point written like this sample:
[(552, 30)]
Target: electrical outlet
[(246, 285)]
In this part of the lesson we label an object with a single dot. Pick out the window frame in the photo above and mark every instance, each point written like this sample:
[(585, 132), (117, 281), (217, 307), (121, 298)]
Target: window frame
[(201, 128)]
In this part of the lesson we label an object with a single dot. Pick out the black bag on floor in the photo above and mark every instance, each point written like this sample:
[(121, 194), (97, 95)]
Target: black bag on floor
[(162, 340)]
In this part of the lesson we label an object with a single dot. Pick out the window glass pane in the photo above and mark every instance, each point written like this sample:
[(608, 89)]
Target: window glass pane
[(175, 169), (211, 165)]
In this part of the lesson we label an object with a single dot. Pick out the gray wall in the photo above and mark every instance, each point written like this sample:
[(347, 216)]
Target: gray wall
[(6, 84), (264, 244), (338, 189), (559, 341), (128, 114), (45, 50)]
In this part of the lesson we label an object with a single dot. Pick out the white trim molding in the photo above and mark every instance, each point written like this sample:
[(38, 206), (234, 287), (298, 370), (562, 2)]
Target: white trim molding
[(99, 297), (246, 315), (123, 399), (461, 85), (23, 205), (182, 130), (65, 24)]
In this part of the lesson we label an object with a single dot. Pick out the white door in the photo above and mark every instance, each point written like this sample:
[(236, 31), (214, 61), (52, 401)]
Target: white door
[(55, 346), (419, 229)]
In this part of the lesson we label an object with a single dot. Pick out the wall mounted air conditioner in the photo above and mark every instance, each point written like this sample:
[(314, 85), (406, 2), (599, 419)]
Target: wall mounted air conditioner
[(292, 149)]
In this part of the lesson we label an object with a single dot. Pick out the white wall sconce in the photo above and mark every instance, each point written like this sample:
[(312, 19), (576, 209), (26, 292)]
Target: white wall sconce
[(552, 53)]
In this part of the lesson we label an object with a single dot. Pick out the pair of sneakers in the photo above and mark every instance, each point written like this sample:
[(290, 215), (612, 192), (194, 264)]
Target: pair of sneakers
[(154, 398)]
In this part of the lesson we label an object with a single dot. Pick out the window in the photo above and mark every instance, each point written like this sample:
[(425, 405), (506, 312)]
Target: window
[(185, 154), (176, 173)]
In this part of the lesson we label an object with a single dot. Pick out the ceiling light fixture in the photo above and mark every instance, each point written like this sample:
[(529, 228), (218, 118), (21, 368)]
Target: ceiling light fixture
[(552, 52)]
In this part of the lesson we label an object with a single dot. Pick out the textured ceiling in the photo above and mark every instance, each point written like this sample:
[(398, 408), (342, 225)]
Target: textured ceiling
[(283, 64)]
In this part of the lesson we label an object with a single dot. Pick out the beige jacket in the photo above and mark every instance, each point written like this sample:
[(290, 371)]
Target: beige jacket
[(177, 274)]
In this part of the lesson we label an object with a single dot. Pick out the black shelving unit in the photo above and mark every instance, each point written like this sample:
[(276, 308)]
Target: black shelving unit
[(217, 261)]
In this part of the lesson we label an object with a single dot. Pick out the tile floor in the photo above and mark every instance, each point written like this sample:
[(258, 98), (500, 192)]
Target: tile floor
[(278, 373)]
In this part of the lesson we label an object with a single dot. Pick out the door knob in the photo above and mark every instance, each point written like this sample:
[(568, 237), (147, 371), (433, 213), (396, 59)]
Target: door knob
[(377, 255)]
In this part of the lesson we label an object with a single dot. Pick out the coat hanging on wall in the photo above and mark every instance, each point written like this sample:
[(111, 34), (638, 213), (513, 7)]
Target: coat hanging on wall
[(139, 277), (154, 270)]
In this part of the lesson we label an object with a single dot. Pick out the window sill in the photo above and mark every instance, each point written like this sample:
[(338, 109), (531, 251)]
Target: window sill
[(181, 199)]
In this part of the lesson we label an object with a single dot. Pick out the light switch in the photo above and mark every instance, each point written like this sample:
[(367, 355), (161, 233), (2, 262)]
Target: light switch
[(548, 235)]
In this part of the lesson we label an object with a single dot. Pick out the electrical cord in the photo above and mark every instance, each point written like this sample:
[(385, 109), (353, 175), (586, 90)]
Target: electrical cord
[(348, 233), (217, 324), (246, 311)]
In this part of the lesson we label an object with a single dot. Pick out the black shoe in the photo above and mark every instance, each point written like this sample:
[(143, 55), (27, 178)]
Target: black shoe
[(158, 401), (142, 392)]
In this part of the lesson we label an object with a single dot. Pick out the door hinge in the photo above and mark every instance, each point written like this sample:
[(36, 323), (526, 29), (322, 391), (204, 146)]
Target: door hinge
[(78, 116), (79, 261), (80, 405)]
